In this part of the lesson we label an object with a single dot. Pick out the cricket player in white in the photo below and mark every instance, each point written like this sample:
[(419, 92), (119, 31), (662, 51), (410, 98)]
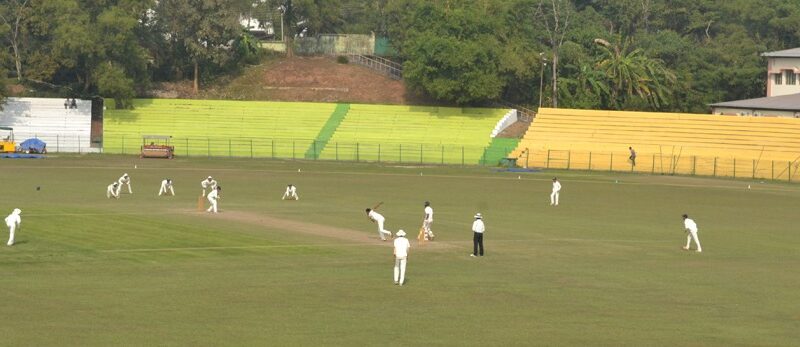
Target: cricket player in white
[(291, 193), (208, 183), (212, 197), (428, 220), (401, 246), (555, 193), (125, 179), (166, 185), (691, 228), (13, 222), (378, 218), (113, 190)]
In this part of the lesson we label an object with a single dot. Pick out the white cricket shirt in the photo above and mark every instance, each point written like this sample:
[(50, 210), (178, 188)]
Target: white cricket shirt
[(213, 194), (478, 227), (13, 219), (401, 246), (556, 186), (690, 225), (375, 216), (429, 213)]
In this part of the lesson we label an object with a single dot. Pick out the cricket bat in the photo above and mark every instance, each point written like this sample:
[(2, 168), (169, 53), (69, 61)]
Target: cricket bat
[(421, 236), (378, 205), (200, 203)]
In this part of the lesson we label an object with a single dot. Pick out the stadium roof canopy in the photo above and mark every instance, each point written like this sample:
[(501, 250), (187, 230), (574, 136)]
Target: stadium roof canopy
[(789, 102)]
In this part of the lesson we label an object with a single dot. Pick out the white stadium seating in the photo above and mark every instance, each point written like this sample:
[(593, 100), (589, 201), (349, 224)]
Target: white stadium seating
[(64, 130)]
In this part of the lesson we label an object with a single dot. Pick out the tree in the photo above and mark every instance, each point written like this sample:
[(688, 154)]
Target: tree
[(112, 82), (630, 73), (454, 54), (203, 29), (555, 16), (12, 15)]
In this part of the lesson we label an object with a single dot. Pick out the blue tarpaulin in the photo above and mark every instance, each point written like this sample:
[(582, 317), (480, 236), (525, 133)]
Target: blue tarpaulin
[(33, 146)]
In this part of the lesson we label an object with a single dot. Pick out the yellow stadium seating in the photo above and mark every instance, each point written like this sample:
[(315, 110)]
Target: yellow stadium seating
[(665, 143)]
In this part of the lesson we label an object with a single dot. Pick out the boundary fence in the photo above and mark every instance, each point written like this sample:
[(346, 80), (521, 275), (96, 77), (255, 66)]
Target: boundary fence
[(411, 153), (664, 164)]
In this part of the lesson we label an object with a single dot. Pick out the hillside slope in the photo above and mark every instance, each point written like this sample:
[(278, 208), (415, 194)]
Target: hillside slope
[(317, 79)]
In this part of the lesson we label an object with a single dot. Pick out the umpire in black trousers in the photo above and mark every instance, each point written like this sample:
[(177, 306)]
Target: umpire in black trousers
[(477, 235)]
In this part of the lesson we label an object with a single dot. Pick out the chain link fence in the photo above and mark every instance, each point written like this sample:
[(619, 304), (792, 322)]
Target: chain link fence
[(405, 153), (664, 164)]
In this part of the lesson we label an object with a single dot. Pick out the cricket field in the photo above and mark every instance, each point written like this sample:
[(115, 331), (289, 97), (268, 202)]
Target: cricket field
[(605, 268)]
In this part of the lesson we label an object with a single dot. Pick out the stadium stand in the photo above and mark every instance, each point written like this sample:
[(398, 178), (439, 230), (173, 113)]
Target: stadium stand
[(310, 130), (414, 134), (63, 129), (665, 143), (218, 127)]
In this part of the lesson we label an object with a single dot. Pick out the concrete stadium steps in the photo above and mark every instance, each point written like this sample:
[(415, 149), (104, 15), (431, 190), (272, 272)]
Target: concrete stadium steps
[(218, 127), (413, 134), (64, 130), (664, 142)]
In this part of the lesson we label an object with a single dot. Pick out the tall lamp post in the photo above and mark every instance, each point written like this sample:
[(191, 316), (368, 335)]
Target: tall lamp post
[(541, 77)]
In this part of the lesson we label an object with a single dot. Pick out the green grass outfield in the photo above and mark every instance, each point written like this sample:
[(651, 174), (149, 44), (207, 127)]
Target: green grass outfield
[(604, 269)]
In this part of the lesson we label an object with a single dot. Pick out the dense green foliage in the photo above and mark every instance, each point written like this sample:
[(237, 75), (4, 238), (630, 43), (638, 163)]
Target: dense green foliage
[(674, 55)]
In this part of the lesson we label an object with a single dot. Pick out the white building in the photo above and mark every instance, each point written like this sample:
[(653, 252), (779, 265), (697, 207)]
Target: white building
[(783, 72), (783, 89)]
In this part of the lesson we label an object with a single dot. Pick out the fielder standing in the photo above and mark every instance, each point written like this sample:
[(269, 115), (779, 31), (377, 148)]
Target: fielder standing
[(13, 222), (208, 183), (691, 228), (376, 217), (556, 191), (113, 190), (213, 196), (633, 156), (477, 235), (401, 246), (166, 185), (427, 221), (291, 193), (124, 180)]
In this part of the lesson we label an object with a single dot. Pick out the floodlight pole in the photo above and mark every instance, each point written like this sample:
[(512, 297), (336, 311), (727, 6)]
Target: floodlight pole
[(541, 78)]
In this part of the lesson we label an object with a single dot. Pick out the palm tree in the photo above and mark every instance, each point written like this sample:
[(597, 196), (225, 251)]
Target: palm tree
[(630, 74)]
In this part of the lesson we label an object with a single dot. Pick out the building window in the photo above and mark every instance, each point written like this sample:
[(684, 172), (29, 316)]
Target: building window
[(791, 78), (778, 78)]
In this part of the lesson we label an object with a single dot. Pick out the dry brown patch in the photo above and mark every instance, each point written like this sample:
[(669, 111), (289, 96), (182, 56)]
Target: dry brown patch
[(344, 234)]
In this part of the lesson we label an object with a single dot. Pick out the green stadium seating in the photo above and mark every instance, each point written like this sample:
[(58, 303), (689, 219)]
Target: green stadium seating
[(413, 134), (289, 130), (218, 127)]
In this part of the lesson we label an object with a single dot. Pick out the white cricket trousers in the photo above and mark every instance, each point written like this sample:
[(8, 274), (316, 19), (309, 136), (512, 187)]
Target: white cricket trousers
[(213, 207), (400, 270), (11, 229), (381, 231), (554, 198), (692, 235), (427, 225), (291, 196), (163, 190)]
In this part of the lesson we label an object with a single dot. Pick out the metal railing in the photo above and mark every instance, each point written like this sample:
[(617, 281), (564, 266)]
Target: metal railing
[(388, 152), (663, 164), (382, 65)]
